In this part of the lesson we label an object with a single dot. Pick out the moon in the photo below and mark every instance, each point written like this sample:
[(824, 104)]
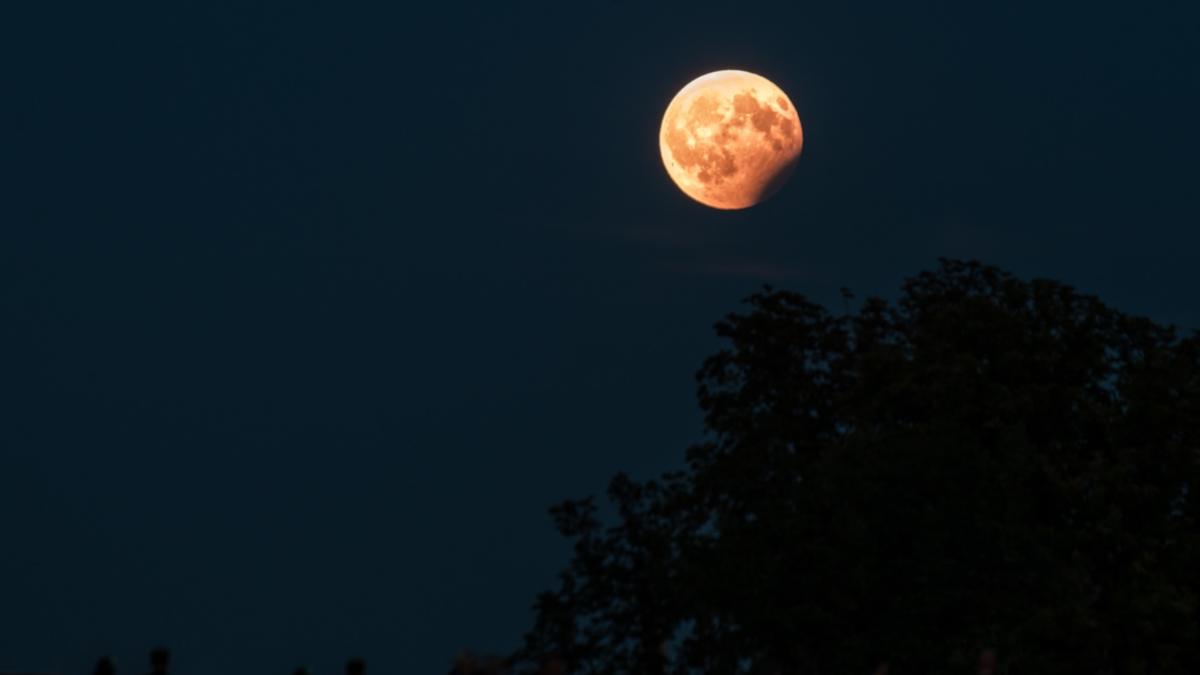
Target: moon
[(730, 139)]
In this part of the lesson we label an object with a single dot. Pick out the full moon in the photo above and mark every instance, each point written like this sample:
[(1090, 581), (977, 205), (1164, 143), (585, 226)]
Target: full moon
[(730, 139)]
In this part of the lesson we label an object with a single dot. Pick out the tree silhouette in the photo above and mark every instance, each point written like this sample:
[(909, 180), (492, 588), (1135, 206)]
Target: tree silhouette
[(160, 661), (984, 473), (105, 666), (467, 663)]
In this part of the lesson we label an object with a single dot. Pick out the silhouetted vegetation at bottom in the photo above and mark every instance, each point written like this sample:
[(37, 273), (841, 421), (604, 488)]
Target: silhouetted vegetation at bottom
[(986, 474), (467, 663), (160, 664), (105, 666), (160, 661)]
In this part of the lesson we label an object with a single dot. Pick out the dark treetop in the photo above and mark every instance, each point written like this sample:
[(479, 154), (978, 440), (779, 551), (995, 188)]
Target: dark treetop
[(984, 463)]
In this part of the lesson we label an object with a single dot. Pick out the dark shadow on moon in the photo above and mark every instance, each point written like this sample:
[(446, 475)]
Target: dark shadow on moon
[(776, 182)]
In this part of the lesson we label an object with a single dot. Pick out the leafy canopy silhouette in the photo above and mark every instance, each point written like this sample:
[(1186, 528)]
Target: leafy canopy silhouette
[(984, 462)]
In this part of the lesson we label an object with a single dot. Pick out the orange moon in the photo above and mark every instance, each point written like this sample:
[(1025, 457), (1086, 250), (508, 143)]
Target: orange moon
[(730, 139)]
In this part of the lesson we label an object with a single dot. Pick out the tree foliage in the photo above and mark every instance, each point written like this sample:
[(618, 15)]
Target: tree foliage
[(984, 461)]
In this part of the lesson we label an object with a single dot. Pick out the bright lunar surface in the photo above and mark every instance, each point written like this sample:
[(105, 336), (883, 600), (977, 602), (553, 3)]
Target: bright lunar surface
[(730, 139)]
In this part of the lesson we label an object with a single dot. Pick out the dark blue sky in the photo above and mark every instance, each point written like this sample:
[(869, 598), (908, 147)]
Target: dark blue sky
[(310, 312)]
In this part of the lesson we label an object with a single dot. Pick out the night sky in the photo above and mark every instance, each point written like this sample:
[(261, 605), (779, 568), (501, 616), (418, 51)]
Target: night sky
[(311, 312)]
